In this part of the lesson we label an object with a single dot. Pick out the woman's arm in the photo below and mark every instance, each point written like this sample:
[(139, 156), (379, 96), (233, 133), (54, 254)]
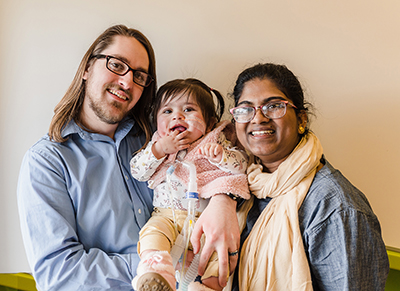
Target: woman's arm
[(346, 252), (342, 236)]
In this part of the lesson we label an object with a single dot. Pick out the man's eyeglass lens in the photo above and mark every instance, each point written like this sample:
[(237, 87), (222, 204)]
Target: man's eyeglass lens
[(121, 68)]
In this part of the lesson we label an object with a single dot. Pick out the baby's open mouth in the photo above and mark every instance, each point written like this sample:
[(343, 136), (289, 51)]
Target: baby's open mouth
[(179, 128)]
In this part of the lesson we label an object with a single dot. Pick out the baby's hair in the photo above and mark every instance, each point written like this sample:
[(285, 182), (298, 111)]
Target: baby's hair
[(196, 89)]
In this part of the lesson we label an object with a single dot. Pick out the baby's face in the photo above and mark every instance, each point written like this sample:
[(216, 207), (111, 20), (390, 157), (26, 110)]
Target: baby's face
[(181, 113)]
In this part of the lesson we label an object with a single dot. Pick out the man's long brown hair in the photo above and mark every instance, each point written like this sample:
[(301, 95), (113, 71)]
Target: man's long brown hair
[(70, 105)]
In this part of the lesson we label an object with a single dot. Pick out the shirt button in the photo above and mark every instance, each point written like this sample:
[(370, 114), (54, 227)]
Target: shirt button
[(126, 177), (140, 211)]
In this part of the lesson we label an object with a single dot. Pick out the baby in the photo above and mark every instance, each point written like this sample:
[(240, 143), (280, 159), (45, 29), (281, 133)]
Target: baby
[(187, 125)]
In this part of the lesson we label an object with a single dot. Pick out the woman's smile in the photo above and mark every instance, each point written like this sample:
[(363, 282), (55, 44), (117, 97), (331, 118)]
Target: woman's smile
[(272, 140), (262, 133)]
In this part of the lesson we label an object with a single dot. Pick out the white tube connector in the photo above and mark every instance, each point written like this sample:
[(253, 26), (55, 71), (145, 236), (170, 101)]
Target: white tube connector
[(192, 196), (192, 186)]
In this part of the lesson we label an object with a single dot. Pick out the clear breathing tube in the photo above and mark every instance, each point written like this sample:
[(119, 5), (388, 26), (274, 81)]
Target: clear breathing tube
[(182, 242)]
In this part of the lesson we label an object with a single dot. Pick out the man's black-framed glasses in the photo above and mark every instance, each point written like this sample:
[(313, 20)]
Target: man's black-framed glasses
[(271, 110), (121, 68)]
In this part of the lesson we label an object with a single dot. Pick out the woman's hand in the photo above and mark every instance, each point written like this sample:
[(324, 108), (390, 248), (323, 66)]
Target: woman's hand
[(221, 228)]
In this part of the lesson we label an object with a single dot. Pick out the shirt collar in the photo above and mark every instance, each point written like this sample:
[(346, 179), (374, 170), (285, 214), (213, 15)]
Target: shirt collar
[(123, 129)]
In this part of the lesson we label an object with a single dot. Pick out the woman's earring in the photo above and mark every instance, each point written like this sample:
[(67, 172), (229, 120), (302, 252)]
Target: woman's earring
[(301, 129)]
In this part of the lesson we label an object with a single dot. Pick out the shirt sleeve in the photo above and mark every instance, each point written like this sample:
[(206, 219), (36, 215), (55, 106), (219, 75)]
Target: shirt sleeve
[(233, 160), (342, 237), (144, 163), (58, 258), (346, 252)]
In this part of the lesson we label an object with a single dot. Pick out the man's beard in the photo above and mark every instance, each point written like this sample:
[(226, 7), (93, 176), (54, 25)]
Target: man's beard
[(105, 115)]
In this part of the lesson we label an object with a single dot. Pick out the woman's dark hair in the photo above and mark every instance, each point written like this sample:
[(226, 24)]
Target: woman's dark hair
[(196, 89), (283, 79)]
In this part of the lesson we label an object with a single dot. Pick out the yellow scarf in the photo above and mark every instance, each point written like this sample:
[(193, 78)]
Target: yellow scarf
[(273, 256)]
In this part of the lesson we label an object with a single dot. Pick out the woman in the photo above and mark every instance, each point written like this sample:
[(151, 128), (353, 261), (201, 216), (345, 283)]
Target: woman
[(308, 227)]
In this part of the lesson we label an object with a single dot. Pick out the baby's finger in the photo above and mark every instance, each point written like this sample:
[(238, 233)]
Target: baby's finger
[(174, 133), (212, 150), (217, 150), (183, 147), (204, 150), (182, 134)]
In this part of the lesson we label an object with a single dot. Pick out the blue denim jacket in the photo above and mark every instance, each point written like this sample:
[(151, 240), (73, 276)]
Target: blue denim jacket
[(341, 235)]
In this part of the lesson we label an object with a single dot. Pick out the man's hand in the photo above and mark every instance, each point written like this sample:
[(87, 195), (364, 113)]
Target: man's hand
[(221, 228)]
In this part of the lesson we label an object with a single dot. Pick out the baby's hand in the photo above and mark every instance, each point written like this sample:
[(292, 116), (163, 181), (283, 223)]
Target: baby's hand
[(170, 144), (212, 151)]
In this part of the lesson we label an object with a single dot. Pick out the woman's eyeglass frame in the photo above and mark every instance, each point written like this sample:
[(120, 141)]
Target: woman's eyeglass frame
[(285, 102)]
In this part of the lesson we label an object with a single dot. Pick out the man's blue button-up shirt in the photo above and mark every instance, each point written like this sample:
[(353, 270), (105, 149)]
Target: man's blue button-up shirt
[(81, 210)]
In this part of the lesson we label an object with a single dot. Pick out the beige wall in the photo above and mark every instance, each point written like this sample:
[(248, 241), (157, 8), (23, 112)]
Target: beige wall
[(346, 53)]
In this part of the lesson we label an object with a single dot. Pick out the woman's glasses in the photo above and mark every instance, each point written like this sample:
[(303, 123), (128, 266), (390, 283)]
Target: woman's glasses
[(271, 110), (121, 68)]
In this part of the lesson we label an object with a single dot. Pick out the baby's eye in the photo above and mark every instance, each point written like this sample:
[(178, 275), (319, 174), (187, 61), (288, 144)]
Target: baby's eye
[(167, 111), (189, 109)]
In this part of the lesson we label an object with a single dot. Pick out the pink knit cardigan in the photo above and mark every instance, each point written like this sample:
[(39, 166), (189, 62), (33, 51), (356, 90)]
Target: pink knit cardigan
[(210, 179)]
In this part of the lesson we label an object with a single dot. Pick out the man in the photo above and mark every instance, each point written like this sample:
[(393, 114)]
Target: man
[(80, 209)]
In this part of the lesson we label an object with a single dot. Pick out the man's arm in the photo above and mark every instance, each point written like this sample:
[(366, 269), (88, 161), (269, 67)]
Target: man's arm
[(58, 258), (220, 225)]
